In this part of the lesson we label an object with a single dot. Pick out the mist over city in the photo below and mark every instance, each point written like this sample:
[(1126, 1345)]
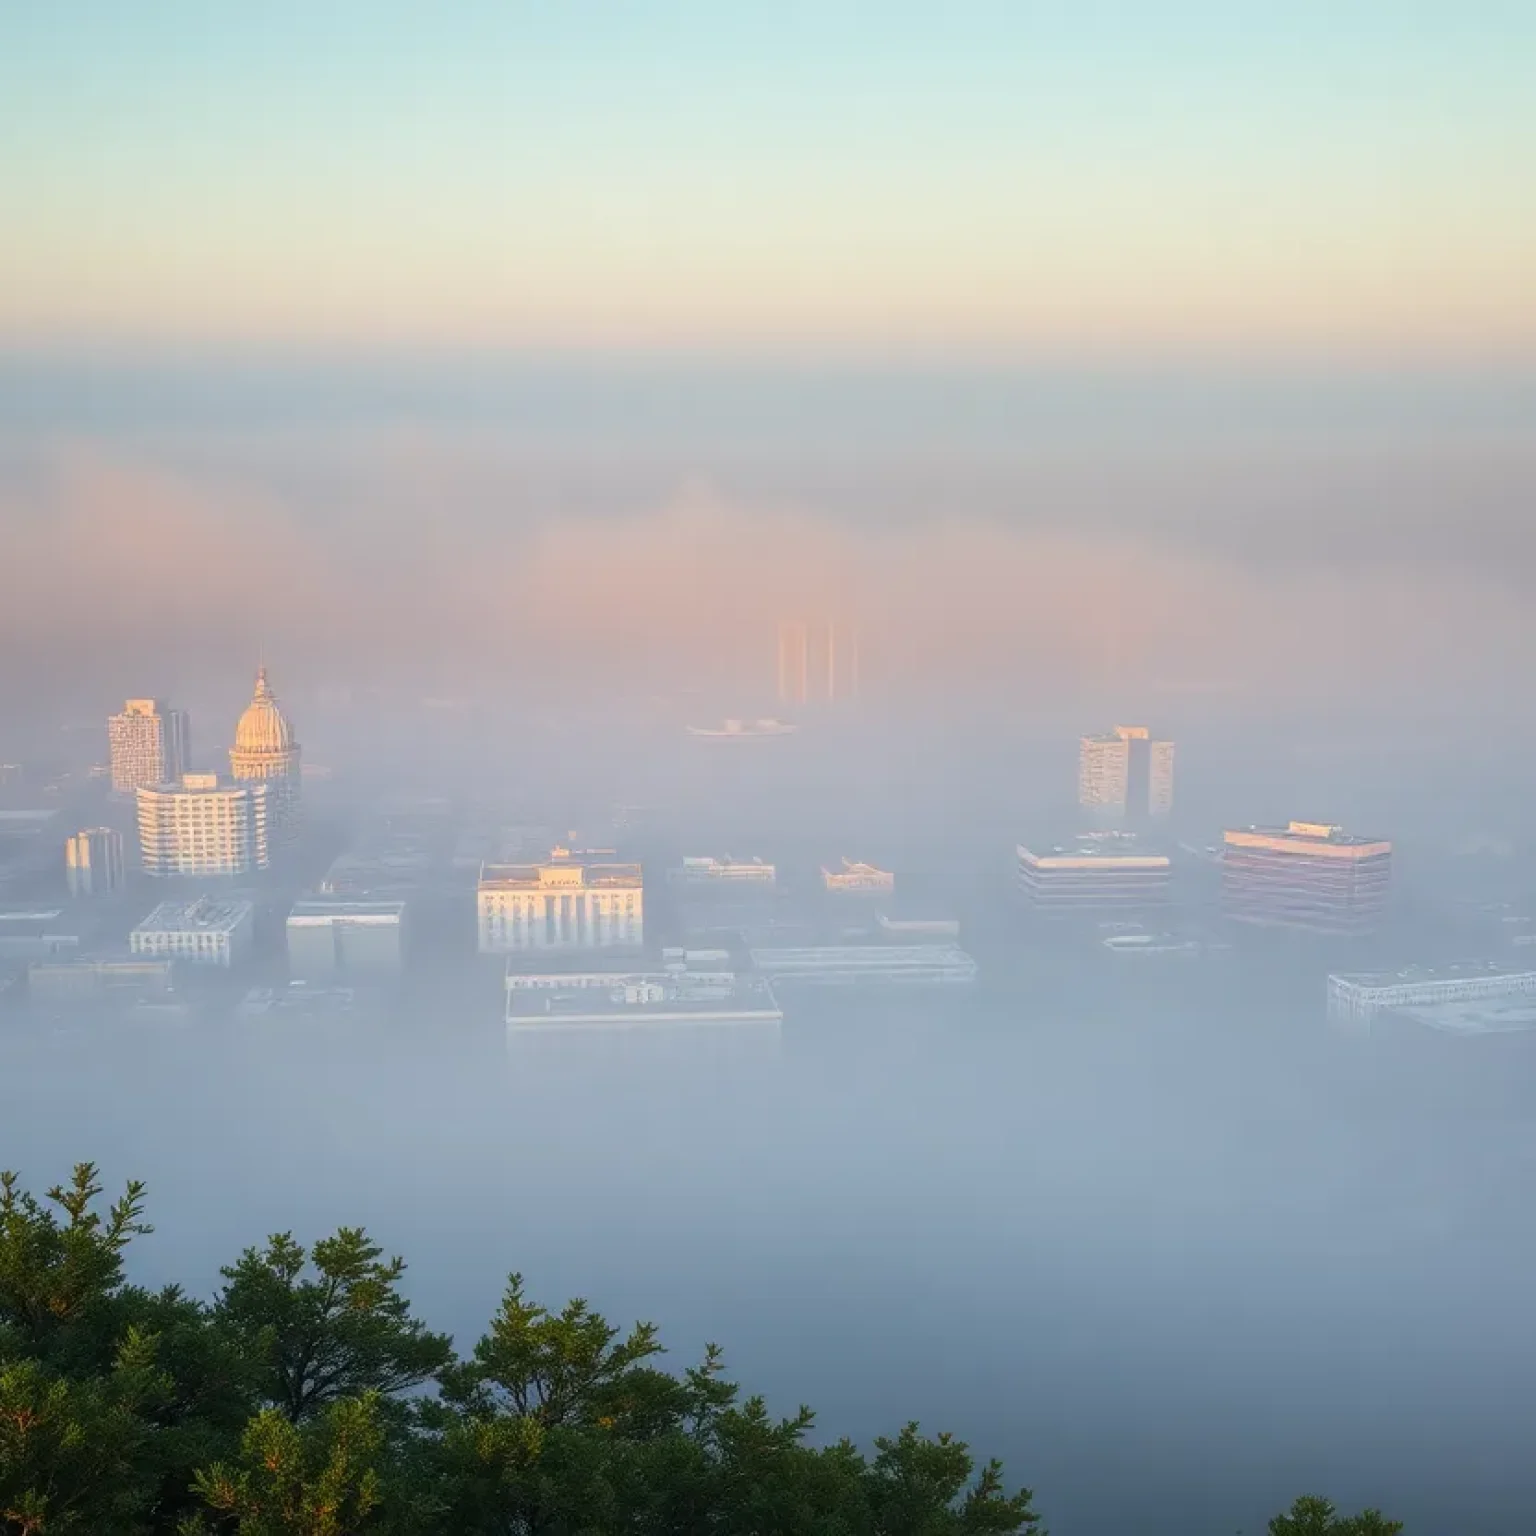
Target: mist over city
[(754, 728)]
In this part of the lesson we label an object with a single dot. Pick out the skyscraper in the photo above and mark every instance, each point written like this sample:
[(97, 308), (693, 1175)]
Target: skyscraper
[(266, 751), (1125, 775), (1308, 875), (818, 662), (149, 745), (204, 827), (93, 862)]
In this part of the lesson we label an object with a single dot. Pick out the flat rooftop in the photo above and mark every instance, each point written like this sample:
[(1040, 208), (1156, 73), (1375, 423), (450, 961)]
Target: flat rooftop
[(315, 911), (1421, 975), (1497, 1016), (749, 1001), (559, 874), (860, 957), (201, 916), (1093, 850), (1303, 833)]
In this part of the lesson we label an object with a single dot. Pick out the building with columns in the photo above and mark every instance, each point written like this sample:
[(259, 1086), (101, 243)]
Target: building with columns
[(571, 902), (266, 751)]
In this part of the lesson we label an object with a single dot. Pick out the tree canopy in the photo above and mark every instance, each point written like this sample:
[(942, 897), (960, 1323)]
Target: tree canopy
[(307, 1399)]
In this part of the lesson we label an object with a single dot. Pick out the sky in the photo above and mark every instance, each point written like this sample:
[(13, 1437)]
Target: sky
[(984, 177)]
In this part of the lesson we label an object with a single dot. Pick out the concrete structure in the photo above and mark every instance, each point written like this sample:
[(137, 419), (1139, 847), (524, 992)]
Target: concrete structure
[(571, 902), (918, 927), (1360, 996), (1306, 875), (818, 662), (857, 879), (330, 936), (150, 743), (35, 933), (204, 932), (838, 965), (676, 997), (1098, 875), (93, 862), (204, 826), (704, 873), (95, 979), (267, 752), (1125, 775)]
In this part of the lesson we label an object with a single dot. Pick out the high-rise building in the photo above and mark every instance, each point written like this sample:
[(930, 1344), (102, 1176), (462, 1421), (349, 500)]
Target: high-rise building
[(1126, 775), (93, 862), (1099, 875), (818, 662), (571, 902), (203, 826), (266, 751), (1306, 875), (149, 743)]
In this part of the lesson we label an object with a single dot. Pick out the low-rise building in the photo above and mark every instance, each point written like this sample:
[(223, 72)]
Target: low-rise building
[(707, 873), (1361, 996), (574, 901), (204, 932), (1097, 875), (330, 936), (855, 879), (94, 979), (660, 1001), (855, 965)]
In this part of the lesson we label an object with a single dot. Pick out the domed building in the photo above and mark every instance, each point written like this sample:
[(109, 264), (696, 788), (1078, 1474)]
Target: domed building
[(265, 749)]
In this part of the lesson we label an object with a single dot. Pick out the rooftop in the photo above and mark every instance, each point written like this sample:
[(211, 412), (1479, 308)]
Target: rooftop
[(1096, 849), (861, 957), (1418, 975), (747, 1000), (205, 915), (316, 911), (564, 870), (1498, 1016), (1319, 833)]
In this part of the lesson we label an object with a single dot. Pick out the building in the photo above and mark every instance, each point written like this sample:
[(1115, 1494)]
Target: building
[(149, 744), (1360, 996), (267, 752), (330, 936), (1125, 775), (857, 879), (35, 933), (726, 873), (858, 965), (1306, 875), (205, 932), (93, 979), (818, 662), (1102, 875), (203, 826), (93, 862), (571, 902)]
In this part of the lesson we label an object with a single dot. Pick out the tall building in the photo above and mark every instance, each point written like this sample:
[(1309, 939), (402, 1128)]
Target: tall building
[(149, 743), (1100, 875), (93, 862), (203, 826), (1126, 775), (571, 902), (266, 751), (1306, 875), (818, 663)]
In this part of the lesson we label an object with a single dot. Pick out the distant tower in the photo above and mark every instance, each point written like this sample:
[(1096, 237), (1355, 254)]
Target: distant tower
[(818, 663), (1125, 775), (93, 862), (149, 745), (265, 749)]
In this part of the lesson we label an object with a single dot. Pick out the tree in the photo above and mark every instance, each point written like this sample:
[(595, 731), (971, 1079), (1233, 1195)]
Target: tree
[(1314, 1516), (327, 1324)]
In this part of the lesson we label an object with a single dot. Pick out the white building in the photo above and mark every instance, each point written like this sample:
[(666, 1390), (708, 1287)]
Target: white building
[(148, 743), (1125, 774), (857, 879), (330, 935), (202, 932), (852, 965), (710, 872), (267, 752), (203, 827), (93, 862), (571, 902), (1362, 996)]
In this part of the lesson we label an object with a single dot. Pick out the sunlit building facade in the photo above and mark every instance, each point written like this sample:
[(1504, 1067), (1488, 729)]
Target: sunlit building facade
[(818, 662), (149, 744), (574, 901), (1306, 875), (204, 826), (855, 879), (1125, 775), (267, 752), (1099, 875), (93, 862)]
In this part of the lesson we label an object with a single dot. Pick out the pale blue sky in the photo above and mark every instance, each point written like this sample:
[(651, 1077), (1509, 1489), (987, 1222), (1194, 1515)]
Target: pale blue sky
[(976, 174)]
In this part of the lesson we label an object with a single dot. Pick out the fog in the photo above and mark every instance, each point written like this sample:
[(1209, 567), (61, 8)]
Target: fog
[(1158, 1235)]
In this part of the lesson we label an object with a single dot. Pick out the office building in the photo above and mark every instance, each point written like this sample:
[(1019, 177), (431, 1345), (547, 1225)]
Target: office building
[(703, 874), (149, 744), (1124, 775), (574, 901), (35, 933), (818, 662), (93, 862), (854, 879), (330, 936), (267, 752), (1361, 996), (94, 978), (1306, 875), (863, 965), (205, 932), (203, 826), (1100, 875)]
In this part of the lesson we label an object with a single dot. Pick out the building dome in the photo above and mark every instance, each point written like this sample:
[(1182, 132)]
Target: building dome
[(263, 729)]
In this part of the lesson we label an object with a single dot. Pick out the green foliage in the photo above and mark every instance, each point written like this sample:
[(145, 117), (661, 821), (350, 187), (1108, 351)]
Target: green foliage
[(308, 1400)]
